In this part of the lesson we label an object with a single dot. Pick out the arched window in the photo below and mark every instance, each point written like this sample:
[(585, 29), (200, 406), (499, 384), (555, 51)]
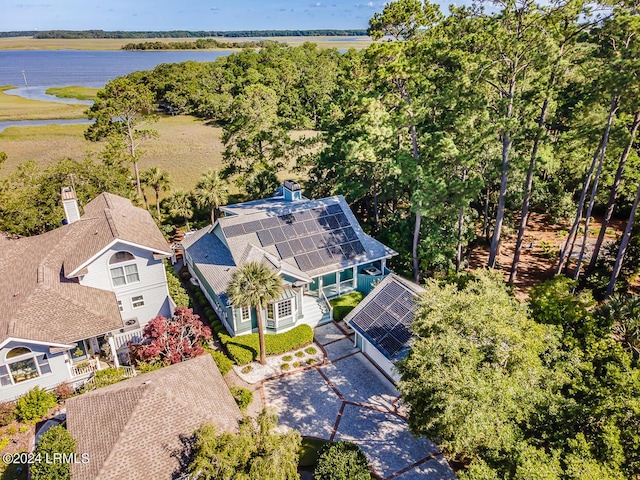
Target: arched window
[(126, 272), (16, 352), (121, 257)]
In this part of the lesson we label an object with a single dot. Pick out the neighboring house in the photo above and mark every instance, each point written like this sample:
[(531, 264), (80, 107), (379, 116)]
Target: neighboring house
[(382, 322), (316, 246), (137, 428), (66, 294)]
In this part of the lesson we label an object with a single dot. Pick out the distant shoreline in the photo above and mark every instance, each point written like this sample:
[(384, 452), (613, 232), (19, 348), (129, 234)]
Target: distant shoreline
[(174, 34), (30, 43)]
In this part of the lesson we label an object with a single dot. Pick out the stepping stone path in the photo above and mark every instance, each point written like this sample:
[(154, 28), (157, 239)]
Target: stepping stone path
[(347, 398)]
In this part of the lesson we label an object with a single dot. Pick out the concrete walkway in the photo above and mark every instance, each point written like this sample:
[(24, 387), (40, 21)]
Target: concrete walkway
[(347, 398)]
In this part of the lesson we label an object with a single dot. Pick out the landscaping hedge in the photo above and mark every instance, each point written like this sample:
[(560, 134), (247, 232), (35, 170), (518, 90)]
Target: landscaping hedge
[(244, 348), (242, 396), (223, 363)]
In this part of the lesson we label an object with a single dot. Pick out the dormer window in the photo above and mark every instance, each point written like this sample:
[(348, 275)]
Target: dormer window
[(126, 271)]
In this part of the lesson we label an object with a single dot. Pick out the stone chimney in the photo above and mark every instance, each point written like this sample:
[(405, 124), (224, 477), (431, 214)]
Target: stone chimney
[(291, 191), (70, 205)]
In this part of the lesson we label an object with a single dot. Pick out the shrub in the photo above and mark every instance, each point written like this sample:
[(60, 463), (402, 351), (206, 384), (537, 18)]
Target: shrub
[(57, 440), (64, 391), (311, 350), (246, 369), (342, 461), (177, 292), (297, 364), (105, 377), (34, 405), (3, 443), (299, 354), (11, 430), (220, 330), (222, 361), (146, 367), (7, 413), (242, 396), (208, 311), (285, 366), (310, 361), (287, 358), (23, 429), (244, 348)]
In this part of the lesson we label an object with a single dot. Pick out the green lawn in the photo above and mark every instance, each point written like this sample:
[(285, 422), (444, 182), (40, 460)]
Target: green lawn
[(344, 304)]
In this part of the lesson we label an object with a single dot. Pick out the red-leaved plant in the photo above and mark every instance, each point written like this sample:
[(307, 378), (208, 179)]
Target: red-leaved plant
[(172, 340)]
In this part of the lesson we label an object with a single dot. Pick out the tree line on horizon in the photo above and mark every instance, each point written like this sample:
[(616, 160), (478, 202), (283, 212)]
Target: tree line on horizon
[(79, 34)]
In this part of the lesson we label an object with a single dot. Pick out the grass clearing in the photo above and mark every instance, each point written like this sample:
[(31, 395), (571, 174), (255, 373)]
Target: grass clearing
[(186, 147), (73, 91), (13, 107), (344, 304)]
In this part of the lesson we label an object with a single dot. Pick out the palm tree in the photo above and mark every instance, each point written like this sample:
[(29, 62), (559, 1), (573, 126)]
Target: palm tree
[(255, 285), (179, 205), (211, 191), (158, 180)]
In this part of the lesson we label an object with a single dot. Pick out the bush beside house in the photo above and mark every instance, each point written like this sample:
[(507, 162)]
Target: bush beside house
[(244, 348), (56, 440), (34, 405), (342, 461)]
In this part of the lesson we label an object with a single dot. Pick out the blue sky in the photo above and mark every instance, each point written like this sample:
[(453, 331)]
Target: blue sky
[(185, 14)]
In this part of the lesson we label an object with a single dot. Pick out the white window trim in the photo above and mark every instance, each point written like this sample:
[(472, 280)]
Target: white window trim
[(140, 301), (244, 318), (120, 306), (27, 356), (275, 306)]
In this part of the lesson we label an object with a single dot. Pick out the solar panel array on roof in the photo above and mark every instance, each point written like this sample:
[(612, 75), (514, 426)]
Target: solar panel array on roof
[(314, 238), (386, 318)]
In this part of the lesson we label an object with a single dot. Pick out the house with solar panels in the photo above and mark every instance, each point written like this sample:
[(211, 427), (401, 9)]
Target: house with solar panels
[(382, 322), (316, 246)]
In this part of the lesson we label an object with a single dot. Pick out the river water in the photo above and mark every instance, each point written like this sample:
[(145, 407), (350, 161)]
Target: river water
[(34, 71)]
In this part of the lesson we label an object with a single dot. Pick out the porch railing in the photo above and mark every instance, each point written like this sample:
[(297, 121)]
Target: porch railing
[(329, 307), (85, 367), (134, 336)]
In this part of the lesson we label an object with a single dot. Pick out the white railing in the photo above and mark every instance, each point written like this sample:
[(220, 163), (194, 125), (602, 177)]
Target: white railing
[(329, 307), (133, 336), (129, 371), (85, 367)]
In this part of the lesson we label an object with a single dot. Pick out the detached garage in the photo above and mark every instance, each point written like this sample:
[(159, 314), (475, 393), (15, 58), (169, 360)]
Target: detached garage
[(382, 322)]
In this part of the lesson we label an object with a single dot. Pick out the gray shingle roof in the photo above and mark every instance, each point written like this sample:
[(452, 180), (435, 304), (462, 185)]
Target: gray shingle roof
[(303, 238), (384, 317), (109, 217), (37, 302), (133, 429)]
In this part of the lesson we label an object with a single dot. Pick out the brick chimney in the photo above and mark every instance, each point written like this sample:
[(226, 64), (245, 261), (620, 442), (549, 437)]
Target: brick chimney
[(70, 205)]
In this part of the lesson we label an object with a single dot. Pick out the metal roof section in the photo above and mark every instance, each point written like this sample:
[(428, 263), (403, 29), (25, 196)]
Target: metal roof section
[(384, 317)]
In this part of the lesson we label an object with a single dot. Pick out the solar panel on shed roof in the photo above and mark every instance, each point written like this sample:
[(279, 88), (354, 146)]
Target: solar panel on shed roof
[(334, 208), (385, 318)]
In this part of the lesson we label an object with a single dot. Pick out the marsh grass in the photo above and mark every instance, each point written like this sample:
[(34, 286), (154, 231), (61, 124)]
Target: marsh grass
[(13, 107), (30, 43), (74, 91), (185, 147)]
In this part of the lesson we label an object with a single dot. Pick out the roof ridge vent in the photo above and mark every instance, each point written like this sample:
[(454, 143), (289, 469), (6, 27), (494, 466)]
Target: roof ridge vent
[(40, 278), (107, 200), (112, 224)]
